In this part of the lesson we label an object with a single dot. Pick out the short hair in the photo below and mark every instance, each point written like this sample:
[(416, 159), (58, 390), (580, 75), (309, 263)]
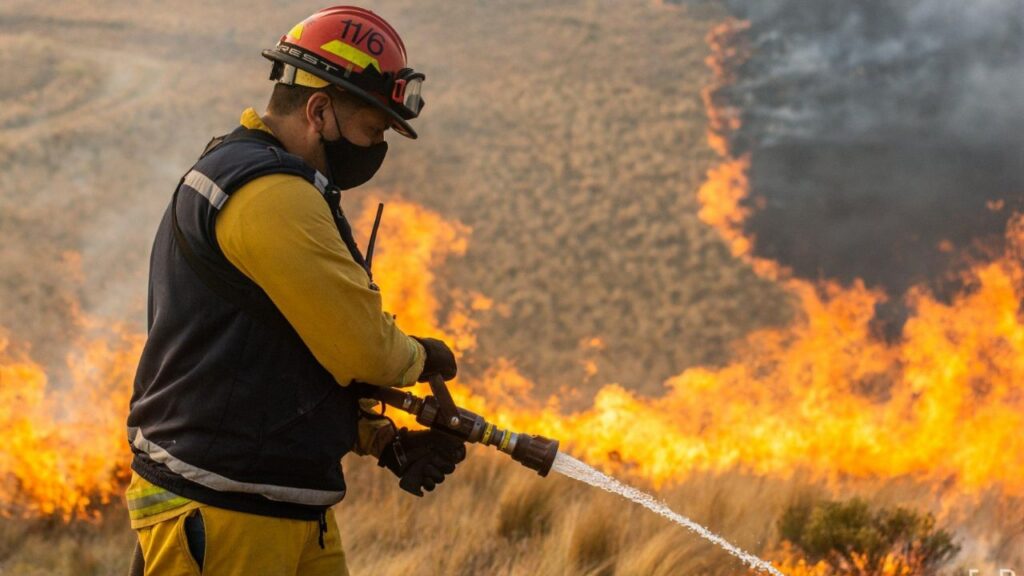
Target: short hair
[(288, 98)]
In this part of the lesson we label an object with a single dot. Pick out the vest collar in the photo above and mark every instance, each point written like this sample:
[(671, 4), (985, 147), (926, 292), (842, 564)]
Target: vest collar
[(251, 120)]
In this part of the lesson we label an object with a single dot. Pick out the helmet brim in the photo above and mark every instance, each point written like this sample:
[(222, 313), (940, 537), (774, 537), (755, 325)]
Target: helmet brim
[(400, 125)]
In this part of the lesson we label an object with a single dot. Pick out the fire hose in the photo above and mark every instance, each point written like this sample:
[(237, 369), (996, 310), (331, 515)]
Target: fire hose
[(439, 412)]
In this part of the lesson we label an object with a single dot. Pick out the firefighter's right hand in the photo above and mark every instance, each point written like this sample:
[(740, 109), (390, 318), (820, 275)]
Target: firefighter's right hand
[(440, 359), (422, 458)]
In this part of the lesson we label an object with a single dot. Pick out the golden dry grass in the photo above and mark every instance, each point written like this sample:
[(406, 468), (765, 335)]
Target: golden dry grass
[(44, 547), (494, 517)]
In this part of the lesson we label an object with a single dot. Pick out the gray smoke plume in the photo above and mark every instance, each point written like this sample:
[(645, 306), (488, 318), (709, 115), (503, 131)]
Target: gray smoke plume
[(886, 136)]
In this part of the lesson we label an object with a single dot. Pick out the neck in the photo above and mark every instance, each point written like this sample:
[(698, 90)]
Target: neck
[(294, 136)]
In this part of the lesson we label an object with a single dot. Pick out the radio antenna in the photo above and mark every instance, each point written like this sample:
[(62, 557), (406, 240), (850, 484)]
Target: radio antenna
[(373, 240)]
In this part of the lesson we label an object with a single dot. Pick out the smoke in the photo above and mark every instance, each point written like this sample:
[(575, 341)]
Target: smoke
[(886, 136), (91, 144)]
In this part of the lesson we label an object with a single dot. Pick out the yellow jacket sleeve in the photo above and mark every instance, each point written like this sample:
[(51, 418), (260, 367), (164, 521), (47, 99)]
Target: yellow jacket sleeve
[(278, 231)]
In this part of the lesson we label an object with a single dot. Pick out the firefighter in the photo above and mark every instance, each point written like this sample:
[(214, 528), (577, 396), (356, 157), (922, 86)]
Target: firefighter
[(262, 317)]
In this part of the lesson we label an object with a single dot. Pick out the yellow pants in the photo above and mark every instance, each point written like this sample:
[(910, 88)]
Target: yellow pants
[(239, 544)]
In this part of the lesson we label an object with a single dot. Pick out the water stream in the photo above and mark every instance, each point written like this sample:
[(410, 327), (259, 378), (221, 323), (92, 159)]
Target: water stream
[(573, 468)]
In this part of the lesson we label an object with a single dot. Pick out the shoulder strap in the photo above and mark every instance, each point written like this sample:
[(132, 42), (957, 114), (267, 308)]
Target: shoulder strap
[(210, 277), (212, 280)]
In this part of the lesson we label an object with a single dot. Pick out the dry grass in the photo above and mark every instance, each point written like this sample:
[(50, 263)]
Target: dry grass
[(527, 509), (45, 547), (494, 517)]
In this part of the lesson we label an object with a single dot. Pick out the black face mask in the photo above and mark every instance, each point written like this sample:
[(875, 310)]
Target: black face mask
[(349, 165)]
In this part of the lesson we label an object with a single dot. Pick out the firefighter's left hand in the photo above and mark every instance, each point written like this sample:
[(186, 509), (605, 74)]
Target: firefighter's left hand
[(422, 458), (440, 359)]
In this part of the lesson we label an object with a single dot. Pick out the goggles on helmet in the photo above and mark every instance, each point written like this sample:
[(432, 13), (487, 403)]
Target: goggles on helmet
[(405, 92), (398, 93)]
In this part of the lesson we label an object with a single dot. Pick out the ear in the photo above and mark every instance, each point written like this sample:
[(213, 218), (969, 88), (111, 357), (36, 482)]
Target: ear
[(318, 112)]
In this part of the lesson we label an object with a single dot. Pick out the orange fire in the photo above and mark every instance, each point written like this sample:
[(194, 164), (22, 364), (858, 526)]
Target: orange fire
[(821, 395), (791, 563), (726, 187), (728, 49), (64, 449)]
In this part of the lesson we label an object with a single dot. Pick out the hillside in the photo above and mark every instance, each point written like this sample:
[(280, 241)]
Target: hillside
[(569, 138)]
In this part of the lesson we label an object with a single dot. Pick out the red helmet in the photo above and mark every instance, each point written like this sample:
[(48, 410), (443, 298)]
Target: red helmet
[(357, 50)]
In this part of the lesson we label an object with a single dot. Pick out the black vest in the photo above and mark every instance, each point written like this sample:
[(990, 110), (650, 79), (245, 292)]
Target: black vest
[(230, 408)]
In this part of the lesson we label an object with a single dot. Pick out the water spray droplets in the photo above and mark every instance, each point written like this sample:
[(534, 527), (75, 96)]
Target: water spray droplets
[(573, 468)]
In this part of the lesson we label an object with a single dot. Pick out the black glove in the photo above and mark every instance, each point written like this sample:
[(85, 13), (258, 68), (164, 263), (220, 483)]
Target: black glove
[(440, 360), (422, 458)]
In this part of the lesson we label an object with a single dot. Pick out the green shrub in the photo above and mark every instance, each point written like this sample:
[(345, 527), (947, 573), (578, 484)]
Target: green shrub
[(853, 539)]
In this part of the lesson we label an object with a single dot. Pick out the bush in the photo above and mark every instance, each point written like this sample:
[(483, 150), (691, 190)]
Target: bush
[(853, 539)]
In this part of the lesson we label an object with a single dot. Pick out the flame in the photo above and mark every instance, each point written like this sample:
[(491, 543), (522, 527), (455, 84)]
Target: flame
[(414, 244), (821, 395), (726, 187), (792, 563), (64, 450), (728, 49)]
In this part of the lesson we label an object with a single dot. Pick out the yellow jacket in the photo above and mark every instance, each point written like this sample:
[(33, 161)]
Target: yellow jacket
[(278, 231)]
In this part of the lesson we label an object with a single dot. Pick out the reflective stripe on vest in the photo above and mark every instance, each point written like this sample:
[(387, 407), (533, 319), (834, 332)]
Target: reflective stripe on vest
[(208, 189), (214, 481)]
